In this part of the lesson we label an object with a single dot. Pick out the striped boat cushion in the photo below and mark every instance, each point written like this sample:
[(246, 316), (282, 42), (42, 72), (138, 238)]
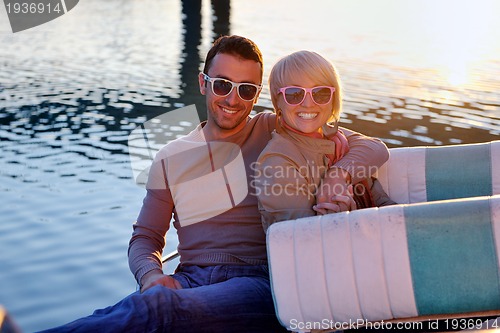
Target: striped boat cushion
[(400, 261), (420, 174)]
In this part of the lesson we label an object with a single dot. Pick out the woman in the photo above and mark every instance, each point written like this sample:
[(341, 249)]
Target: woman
[(307, 96)]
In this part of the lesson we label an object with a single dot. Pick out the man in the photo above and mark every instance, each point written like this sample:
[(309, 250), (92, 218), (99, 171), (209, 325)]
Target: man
[(222, 282)]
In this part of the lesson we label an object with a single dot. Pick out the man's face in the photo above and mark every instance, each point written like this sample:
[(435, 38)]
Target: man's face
[(227, 115)]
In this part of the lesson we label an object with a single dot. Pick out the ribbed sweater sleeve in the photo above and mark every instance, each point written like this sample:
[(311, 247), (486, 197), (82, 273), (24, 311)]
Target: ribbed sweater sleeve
[(365, 156)]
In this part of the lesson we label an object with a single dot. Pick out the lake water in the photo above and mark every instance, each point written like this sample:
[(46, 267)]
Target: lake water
[(415, 73)]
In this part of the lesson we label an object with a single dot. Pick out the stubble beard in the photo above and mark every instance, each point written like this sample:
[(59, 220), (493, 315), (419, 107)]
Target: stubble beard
[(230, 124)]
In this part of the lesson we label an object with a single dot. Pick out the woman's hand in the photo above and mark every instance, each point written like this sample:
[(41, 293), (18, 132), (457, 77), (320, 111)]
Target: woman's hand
[(335, 193), (156, 277), (339, 203)]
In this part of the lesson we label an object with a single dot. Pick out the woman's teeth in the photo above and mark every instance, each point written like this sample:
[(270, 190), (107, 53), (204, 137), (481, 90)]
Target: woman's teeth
[(304, 115)]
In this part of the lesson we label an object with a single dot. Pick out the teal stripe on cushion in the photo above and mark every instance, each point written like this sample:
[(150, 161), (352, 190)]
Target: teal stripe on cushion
[(452, 257), (458, 171)]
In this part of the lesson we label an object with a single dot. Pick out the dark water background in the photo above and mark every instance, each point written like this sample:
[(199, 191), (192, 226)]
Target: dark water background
[(72, 90)]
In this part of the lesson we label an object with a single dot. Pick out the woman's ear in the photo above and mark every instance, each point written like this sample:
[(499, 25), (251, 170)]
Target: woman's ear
[(281, 104), (202, 83), (279, 121)]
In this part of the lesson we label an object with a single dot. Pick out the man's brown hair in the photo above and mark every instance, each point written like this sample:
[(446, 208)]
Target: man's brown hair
[(234, 45)]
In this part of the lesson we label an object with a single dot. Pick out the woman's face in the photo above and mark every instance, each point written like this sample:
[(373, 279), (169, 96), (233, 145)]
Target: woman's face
[(307, 117)]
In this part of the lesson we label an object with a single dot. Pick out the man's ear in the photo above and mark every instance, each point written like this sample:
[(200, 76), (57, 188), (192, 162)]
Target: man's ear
[(202, 83)]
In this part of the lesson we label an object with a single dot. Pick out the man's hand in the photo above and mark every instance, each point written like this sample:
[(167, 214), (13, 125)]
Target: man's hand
[(156, 277), (335, 193)]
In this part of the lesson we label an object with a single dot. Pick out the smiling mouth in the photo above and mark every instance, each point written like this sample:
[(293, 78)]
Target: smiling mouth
[(307, 115), (229, 111)]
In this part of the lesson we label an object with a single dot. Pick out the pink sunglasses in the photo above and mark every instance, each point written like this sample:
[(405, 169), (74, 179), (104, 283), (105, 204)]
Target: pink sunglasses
[(294, 95)]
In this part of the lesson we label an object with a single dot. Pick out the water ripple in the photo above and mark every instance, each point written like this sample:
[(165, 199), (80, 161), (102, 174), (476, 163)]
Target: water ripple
[(72, 91)]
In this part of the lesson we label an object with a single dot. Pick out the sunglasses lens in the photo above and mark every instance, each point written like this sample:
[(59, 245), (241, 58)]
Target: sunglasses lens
[(222, 87), (322, 95), (294, 95), (247, 92)]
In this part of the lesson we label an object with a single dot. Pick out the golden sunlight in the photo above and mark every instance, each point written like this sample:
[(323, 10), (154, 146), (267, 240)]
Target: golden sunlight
[(460, 35)]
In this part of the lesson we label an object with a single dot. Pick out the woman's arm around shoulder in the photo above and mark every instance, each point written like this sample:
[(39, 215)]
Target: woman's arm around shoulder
[(366, 154)]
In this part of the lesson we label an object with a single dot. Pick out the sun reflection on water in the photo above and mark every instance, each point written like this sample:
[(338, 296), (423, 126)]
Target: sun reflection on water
[(461, 35)]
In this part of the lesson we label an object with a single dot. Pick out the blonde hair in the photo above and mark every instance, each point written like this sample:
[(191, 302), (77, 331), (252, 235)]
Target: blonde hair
[(291, 69)]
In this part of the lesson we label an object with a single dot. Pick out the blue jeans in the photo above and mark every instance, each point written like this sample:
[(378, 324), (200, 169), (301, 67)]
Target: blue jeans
[(227, 298)]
